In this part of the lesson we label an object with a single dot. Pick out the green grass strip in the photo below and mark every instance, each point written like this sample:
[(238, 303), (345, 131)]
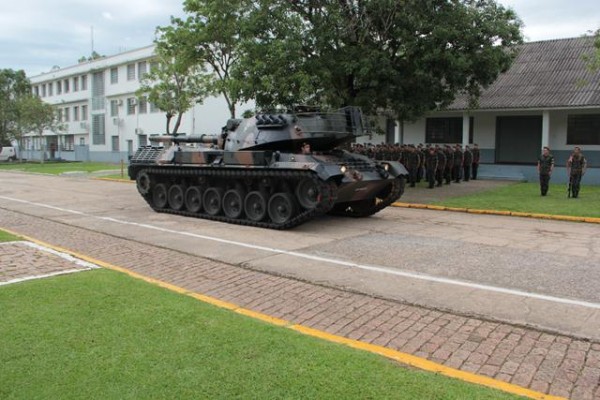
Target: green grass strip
[(525, 197), (7, 237), (101, 334), (55, 168)]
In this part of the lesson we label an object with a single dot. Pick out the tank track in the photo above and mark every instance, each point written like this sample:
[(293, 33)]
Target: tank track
[(327, 201), (357, 210)]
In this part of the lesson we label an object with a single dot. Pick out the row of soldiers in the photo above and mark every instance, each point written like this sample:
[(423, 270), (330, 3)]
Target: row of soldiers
[(434, 163)]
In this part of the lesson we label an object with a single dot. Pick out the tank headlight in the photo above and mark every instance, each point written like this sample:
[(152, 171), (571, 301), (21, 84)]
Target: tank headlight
[(386, 166), (343, 169)]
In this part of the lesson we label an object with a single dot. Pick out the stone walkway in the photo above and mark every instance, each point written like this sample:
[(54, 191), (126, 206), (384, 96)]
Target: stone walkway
[(545, 362), (18, 261)]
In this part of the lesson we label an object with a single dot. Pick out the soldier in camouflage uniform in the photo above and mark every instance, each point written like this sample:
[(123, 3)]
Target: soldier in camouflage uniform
[(467, 163), (449, 164), (431, 164), (476, 159), (458, 163), (545, 167), (421, 154), (576, 167), (441, 167), (413, 163)]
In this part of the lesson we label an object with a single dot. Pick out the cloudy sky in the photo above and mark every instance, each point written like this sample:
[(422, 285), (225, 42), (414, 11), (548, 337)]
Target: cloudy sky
[(35, 35)]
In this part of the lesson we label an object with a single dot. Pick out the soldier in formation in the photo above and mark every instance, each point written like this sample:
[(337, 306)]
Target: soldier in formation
[(576, 167), (476, 159), (545, 167)]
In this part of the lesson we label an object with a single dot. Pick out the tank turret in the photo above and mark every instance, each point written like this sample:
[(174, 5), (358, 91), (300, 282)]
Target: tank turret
[(274, 170)]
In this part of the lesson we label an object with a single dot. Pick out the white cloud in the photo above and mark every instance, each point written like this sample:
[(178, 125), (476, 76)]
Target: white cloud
[(107, 15)]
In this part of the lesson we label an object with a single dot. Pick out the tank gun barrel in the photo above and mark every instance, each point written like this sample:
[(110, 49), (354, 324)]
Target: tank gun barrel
[(205, 139)]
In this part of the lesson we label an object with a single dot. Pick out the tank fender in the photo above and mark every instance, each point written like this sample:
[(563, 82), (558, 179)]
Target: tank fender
[(396, 169)]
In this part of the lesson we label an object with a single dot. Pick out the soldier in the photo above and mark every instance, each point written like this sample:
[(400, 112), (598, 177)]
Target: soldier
[(476, 158), (441, 167), (467, 162), (421, 155), (431, 164), (458, 162), (545, 166), (413, 162), (576, 167), (449, 164)]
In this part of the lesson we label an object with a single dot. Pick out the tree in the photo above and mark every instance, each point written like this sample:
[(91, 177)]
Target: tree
[(13, 86), (94, 56), (176, 81), (213, 34), (593, 59), (36, 116), (404, 57)]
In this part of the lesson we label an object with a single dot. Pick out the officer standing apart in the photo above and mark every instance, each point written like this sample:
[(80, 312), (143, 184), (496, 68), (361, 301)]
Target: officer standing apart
[(476, 158), (545, 167), (576, 167)]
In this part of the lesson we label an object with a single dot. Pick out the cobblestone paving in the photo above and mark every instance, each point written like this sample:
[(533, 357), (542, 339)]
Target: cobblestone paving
[(18, 261), (541, 361)]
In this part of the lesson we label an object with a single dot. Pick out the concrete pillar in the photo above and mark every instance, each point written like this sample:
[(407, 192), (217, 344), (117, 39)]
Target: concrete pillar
[(399, 132), (546, 129), (466, 129)]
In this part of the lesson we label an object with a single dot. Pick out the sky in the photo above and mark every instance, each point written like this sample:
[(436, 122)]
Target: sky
[(36, 35)]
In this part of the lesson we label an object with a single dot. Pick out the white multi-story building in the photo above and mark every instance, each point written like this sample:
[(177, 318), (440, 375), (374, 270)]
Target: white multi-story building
[(103, 117)]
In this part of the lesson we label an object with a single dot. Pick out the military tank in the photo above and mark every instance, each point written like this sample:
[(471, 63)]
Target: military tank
[(275, 170)]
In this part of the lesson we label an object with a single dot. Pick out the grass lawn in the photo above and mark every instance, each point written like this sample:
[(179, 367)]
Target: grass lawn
[(58, 168), (525, 197), (7, 237), (125, 177), (101, 334)]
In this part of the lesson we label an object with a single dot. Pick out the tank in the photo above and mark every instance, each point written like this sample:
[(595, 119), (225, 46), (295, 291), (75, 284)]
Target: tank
[(274, 170)]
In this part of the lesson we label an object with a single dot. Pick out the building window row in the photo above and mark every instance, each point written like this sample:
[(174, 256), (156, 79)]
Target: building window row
[(76, 113), (76, 84)]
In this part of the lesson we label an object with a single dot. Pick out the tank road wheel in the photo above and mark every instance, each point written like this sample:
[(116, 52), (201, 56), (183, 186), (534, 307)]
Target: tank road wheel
[(308, 193), (255, 206), (212, 200), (281, 208), (193, 199), (143, 182), (176, 198), (159, 195), (233, 203)]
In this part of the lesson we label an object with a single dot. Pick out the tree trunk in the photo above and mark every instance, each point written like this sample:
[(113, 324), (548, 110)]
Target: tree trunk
[(169, 116), (177, 123)]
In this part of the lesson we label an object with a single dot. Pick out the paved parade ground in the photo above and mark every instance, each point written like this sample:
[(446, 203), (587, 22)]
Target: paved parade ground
[(510, 298)]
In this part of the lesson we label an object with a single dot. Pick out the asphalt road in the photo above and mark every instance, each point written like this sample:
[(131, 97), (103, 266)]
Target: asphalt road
[(534, 272)]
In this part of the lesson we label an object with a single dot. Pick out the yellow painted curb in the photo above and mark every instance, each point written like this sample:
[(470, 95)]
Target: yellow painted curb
[(114, 180), (404, 358), (568, 218)]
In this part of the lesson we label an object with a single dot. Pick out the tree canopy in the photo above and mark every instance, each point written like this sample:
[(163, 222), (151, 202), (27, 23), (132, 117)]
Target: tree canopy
[(403, 58), (13, 86)]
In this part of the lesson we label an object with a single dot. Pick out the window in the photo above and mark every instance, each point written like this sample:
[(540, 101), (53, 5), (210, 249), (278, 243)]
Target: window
[(59, 114), (50, 89), (153, 66), (115, 143), (44, 90), (76, 84), (66, 86), (583, 129), (154, 108), (82, 141), (98, 129), (76, 113), (142, 69), (142, 140), (142, 105), (58, 87), (114, 75), (446, 130), (130, 72), (68, 143), (83, 82), (84, 113), (131, 106), (66, 114), (114, 108), (36, 90)]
